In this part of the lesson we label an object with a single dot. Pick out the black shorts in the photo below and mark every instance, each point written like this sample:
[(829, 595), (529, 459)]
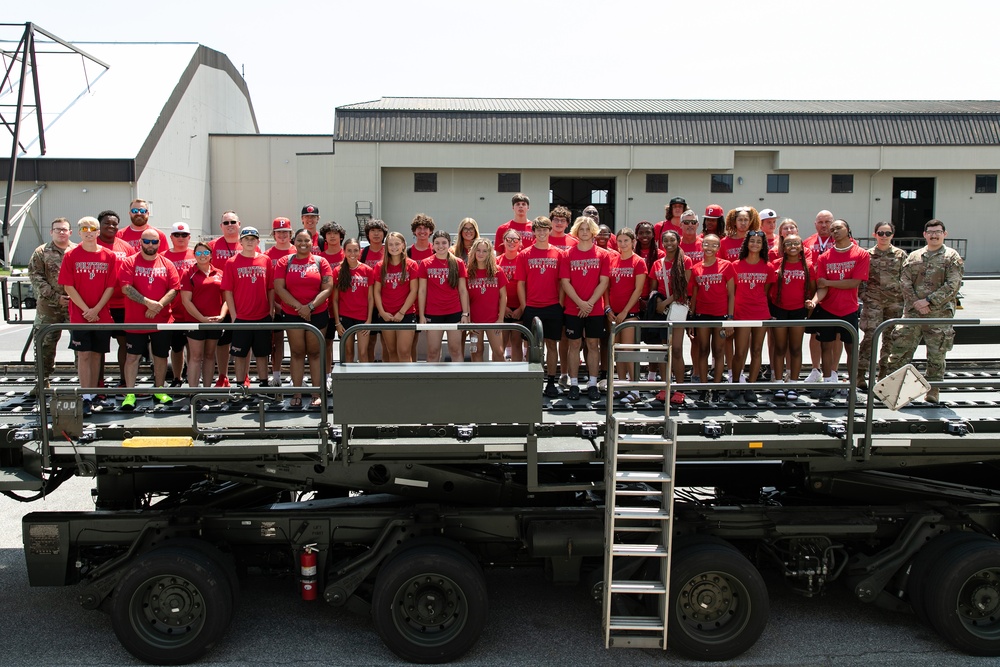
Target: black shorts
[(227, 336), (450, 318), (90, 341), (159, 341), (178, 339), (785, 314), (577, 327), (410, 318), (118, 317), (829, 334), (704, 317), (258, 340), (551, 317), (348, 322), (319, 319), (215, 334)]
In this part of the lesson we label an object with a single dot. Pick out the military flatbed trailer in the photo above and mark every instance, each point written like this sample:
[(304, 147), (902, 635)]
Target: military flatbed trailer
[(411, 478)]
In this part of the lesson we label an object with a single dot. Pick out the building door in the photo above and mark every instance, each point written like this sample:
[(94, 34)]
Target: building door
[(912, 205), (578, 193)]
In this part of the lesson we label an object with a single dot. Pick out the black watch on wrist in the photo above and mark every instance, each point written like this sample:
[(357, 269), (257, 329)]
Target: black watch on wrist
[(727, 317)]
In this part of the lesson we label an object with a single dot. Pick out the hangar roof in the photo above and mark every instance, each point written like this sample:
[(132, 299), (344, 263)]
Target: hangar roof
[(683, 122)]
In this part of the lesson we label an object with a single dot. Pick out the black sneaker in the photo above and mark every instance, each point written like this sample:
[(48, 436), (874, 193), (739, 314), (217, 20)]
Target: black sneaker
[(593, 393), (749, 395), (264, 383), (88, 408), (551, 390), (574, 392), (176, 382)]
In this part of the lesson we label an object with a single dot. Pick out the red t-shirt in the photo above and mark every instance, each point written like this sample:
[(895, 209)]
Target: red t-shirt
[(661, 276), (584, 270), (395, 290), (442, 299), (623, 273), (334, 259), (710, 285), (303, 278), (133, 237), (539, 271), (817, 244), (522, 228), (274, 254), (564, 241), (371, 257), (153, 279), (644, 254), (183, 262), (353, 301), (693, 250), (729, 249), (662, 226), (90, 273), (484, 297), (751, 290), (121, 250), (793, 284), (849, 264), (418, 255), (205, 289), (509, 267), (249, 279)]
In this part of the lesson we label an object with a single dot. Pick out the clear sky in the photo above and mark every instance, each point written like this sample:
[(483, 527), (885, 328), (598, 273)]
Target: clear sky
[(303, 59)]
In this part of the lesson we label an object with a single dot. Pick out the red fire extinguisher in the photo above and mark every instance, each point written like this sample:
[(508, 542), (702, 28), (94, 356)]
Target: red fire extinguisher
[(307, 568)]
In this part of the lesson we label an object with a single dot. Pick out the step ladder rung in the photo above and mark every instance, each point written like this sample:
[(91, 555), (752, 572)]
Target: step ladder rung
[(640, 457), (639, 587), (650, 623), (638, 529), (648, 513), (642, 476), (648, 440), (650, 356), (639, 385), (635, 641), (640, 346), (638, 492), (643, 550)]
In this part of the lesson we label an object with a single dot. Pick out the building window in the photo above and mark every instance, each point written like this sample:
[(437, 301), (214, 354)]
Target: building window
[(907, 194), (425, 182), (777, 183), (508, 182), (656, 183), (986, 183), (842, 183), (598, 196), (722, 182)]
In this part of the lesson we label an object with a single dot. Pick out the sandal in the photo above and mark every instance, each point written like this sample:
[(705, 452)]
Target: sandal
[(295, 402), (779, 395), (792, 395), (631, 398), (316, 403)]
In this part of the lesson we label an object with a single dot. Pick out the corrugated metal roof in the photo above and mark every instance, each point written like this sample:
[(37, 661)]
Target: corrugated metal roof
[(557, 106), (732, 129)]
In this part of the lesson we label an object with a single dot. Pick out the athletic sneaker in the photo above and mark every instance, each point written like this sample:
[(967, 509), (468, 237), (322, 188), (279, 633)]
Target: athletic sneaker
[(163, 399), (88, 408), (749, 395), (814, 376), (550, 389), (602, 386), (176, 382), (574, 392), (564, 381), (593, 393), (128, 403), (223, 381)]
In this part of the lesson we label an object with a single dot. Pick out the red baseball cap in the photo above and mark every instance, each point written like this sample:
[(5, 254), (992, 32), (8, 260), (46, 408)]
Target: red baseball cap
[(714, 211), (281, 223)]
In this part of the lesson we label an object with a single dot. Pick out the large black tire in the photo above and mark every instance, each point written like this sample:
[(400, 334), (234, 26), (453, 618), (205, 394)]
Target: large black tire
[(225, 561), (171, 606), (429, 604), (718, 604), (924, 566), (963, 598)]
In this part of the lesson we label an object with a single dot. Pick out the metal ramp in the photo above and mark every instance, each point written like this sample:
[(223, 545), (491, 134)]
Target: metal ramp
[(639, 481)]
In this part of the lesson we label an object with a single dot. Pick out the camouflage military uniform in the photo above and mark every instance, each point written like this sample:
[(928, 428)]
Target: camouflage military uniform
[(882, 296), (935, 276), (43, 269)]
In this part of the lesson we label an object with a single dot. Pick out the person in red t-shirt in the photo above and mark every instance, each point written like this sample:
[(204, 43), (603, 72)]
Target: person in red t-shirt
[(281, 232), (353, 300), (520, 223), (690, 241), (247, 282), (795, 283), (606, 240), (89, 274), (712, 222), (396, 282), (672, 214), (310, 221), (443, 297), (713, 289), (671, 276), (627, 276), (149, 282), (560, 217), (224, 248), (202, 298), (538, 290), (839, 273), (739, 221), (422, 226), (304, 282), (507, 261), (487, 285), (108, 238), (139, 215), (584, 274), (468, 232), (333, 235), (815, 245), (753, 275), (183, 259), (375, 232)]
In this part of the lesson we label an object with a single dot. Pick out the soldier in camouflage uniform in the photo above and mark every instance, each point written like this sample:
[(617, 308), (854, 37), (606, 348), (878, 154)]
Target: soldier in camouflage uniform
[(931, 278), (52, 307), (882, 299)]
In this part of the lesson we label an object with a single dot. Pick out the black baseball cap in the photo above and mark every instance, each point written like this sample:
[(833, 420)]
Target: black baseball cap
[(309, 209)]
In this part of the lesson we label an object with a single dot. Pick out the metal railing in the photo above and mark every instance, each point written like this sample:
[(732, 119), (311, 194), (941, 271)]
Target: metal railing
[(532, 335)]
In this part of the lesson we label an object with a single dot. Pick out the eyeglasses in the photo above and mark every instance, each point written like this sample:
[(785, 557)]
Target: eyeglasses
[(140, 211), (934, 232), (151, 241), (180, 234), (202, 253), (883, 234), (61, 230), (226, 223)]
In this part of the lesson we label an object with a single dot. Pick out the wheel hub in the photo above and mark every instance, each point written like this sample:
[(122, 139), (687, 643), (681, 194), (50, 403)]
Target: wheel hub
[(983, 594), (707, 597), (173, 602), (429, 602)]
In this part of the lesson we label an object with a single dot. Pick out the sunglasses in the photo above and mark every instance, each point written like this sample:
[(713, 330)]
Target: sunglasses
[(883, 234), (226, 223), (512, 239), (140, 211), (762, 235), (151, 241), (181, 234), (202, 253), (689, 222)]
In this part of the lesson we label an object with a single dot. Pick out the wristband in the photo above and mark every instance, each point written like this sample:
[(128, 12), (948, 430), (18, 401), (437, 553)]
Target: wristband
[(608, 311), (463, 315)]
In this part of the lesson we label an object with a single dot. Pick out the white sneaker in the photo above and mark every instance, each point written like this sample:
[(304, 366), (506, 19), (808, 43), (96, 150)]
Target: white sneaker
[(564, 381), (833, 377), (814, 376), (602, 386), (743, 377)]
